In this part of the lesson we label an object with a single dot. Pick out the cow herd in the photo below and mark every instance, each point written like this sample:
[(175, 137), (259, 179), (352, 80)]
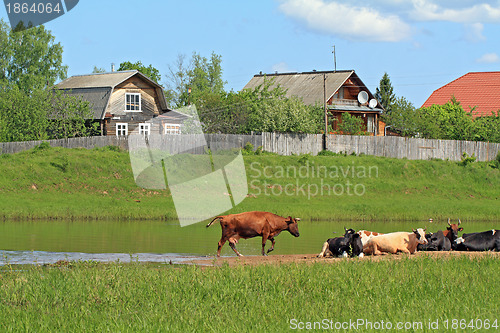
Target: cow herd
[(375, 243), (354, 243)]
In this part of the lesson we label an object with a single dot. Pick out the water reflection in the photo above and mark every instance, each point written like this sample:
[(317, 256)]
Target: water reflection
[(50, 241)]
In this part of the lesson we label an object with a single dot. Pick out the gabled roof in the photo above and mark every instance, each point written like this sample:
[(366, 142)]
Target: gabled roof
[(475, 89), (307, 85), (98, 87)]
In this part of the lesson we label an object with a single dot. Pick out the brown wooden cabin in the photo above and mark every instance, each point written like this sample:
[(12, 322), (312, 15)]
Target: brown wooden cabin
[(341, 89), (122, 101)]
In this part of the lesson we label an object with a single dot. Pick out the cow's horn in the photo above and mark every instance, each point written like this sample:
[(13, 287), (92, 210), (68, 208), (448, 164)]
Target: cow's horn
[(449, 222), (459, 221)]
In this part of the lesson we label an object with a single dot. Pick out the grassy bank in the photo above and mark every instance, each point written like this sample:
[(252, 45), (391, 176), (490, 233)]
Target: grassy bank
[(144, 297), (98, 184)]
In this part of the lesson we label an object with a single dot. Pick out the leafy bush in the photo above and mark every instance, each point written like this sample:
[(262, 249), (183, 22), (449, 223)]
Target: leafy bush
[(350, 124), (466, 159), (496, 162), (42, 146)]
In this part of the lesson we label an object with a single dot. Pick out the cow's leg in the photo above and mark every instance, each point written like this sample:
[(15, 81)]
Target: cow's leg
[(264, 240), (323, 250), (232, 243), (272, 245), (405, 250), (219, 247), (376, 251)]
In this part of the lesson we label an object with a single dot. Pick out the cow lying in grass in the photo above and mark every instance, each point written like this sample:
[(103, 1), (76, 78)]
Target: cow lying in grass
[(349, 245), (405, 242), (479, 241), (435, 242)]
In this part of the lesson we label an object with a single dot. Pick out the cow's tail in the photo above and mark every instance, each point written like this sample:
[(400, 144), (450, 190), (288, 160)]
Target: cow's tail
[(215, 218)]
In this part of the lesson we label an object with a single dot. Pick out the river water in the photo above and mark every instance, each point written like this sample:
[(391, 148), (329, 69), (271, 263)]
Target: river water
[(42, 242)]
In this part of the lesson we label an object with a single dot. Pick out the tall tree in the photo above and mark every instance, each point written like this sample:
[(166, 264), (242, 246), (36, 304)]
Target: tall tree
[(385, 93), (30, 58), (196, 83), (149, 71)]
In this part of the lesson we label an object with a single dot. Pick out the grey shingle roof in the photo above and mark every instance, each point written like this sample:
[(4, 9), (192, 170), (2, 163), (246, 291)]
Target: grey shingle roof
[(96, 80), (307, 85), (98, 87), (97, 97)]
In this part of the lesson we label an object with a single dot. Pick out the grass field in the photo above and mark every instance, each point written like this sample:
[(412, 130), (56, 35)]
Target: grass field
[(146, 297), (58, 183)]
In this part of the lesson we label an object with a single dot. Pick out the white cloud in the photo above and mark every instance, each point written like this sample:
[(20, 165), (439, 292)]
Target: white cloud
[(347, 21), (474, 32), (390, 20), (489, 58), (427, 10), (281, 67)]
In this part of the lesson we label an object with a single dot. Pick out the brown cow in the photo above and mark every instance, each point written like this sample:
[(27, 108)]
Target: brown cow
[(452, 230), (253, 224)]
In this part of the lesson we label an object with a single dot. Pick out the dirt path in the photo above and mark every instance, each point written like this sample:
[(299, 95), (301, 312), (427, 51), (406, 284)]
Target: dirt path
[(311, 258)]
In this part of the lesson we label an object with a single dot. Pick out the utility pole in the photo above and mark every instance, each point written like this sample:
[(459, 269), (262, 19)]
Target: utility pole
[(334, 60), (326, 111)]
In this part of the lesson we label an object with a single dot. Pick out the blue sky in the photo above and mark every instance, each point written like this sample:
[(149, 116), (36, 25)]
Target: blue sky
[(421, 44)]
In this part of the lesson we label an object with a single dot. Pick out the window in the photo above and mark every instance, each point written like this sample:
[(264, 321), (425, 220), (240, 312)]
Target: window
[(121, 129), (339, 94), (171, 129), (145, 129), (132, 102)]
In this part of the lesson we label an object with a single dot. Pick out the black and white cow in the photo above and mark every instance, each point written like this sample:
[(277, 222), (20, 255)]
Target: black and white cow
[(435, 242), (349, 245), (480, 241)]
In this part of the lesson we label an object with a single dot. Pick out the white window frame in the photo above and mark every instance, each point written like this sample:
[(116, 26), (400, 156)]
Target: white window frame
[(140, 102), (121, 127), (145, 129), (169, 128)]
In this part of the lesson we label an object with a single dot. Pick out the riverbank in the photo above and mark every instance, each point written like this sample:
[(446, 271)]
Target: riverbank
[(57, 183), (89, 296)]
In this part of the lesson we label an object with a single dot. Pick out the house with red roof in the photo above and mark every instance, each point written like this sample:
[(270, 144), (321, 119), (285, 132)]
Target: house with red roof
[(476, 91)]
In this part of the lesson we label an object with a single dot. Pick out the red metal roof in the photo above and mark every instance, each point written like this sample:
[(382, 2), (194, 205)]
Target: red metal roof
[(479, 89)]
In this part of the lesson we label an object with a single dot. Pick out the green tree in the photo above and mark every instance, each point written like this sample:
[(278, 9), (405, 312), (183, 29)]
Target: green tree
[(98, 70), (385, 93), (30, 58), (198, 82), (487, 128), (149, 71), (403, 118), (350, 124), (449, 121), (42, 114)]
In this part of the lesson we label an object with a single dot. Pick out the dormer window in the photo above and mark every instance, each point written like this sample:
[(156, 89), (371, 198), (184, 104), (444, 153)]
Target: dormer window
[(132, 102)]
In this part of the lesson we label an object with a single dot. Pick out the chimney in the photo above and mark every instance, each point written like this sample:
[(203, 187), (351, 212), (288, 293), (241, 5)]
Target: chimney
[(112, 66)]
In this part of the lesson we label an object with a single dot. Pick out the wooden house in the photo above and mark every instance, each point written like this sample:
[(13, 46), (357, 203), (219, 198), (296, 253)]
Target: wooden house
[(123, 101), (343, 92)]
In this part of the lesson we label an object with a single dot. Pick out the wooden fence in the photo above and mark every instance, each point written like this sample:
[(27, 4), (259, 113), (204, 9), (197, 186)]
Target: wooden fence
[(288, 144)]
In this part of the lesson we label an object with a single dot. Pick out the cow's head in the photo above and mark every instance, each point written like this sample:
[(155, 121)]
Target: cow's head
[(349, 232), (292, 226), (434, 239), (420, 234), (453, 230)]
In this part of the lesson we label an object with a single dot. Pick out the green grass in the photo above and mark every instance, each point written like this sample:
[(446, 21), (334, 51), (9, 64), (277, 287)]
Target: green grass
[(145, 297), (57, 183)]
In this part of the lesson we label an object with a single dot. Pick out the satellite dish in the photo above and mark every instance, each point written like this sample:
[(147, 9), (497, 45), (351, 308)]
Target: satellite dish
[(362, 97), (373, 103)]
